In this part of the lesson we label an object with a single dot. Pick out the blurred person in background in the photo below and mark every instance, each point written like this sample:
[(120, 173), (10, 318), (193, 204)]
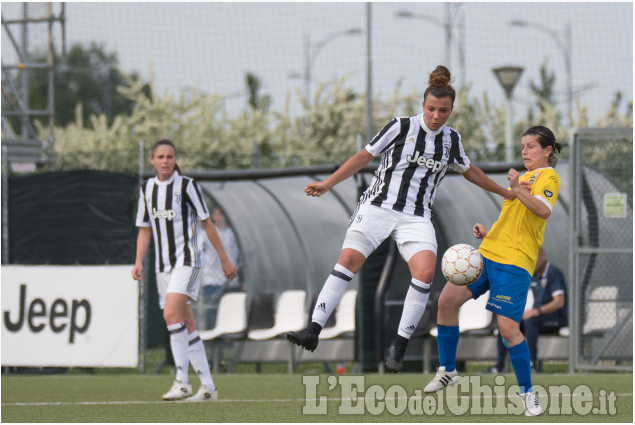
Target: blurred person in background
[(213, 278), (172, 212)]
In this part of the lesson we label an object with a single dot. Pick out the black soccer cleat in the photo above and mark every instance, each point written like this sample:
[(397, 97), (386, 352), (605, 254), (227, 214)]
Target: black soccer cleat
[(395, 359), (305, 339)]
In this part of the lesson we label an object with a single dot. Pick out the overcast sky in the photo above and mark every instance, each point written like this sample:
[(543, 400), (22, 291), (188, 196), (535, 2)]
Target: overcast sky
[(215, 44)]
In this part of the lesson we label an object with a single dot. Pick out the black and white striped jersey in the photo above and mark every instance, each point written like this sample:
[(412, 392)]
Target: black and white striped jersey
[(174, 209), (415, 160)]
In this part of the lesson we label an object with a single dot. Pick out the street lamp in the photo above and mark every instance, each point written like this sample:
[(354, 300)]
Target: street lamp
[(508, 76), (564, 44), (312, 50), (451, 11)]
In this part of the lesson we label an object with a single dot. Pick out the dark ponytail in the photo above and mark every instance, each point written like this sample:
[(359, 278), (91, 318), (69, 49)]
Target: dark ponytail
[(546, 138)]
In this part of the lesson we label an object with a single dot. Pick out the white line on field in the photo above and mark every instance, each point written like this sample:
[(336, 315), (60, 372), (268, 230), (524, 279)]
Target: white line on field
[(274, 400)]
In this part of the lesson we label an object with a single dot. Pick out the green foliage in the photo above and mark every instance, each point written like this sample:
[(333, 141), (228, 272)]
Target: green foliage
[(328, 130), (88, 76)]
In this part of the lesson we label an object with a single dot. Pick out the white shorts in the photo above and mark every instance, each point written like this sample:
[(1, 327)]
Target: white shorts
[(181, 280), (371, 225)]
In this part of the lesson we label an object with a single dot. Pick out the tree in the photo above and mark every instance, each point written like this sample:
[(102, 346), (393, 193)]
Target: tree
[(256, 100), (88, 76)]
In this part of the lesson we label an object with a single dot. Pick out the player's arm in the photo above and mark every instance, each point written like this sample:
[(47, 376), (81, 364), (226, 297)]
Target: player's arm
[(350, 167), (475, 175), (143, 241), (532, 203), (228, 267), (557, 302)]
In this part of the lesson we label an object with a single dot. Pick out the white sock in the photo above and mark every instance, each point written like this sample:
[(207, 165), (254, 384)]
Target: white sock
[(178, 342), (199, 360), (331, 293), (413, 308)]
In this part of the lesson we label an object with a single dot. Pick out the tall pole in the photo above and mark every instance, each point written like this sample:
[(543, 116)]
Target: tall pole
[(509, 130), (307, 68), (448, 34), (50, 61), (5, 205), (567, 57), (369, 74)]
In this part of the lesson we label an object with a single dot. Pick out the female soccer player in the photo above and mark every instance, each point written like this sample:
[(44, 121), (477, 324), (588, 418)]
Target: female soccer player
[(170, 207), (417, 152), (509, 251)]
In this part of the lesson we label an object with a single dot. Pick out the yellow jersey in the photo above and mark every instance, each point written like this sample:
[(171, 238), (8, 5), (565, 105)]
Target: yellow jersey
[(517, 235)]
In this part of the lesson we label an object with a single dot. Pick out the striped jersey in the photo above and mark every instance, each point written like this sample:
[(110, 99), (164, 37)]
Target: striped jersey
[(174, 209), (415, 160)]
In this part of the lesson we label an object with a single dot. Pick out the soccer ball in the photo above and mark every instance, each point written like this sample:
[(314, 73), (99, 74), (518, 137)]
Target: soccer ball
[(461, 264)]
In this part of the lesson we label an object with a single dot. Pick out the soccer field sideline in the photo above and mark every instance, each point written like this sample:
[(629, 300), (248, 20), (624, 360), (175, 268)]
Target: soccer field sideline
[(258, 398), (273, 400)]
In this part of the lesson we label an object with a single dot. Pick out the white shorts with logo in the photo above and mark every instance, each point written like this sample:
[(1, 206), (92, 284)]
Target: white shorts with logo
[(180, 280), (371, 225)]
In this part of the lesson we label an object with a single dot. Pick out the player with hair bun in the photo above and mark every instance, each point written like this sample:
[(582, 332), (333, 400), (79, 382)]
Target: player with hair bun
[(416, 154), (509, 250)]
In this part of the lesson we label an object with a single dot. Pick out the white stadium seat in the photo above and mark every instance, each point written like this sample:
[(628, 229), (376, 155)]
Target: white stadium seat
[(231, 317), (290, 316)]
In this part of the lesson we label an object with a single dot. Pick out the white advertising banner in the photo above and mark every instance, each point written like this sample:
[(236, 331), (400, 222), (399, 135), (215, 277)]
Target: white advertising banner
[(72, 316)]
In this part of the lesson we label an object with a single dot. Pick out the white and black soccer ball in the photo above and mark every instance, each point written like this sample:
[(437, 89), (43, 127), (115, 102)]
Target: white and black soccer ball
[(461, 264)]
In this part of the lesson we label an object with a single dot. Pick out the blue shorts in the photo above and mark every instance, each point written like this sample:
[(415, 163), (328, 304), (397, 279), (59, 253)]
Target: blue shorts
[(507, 285)]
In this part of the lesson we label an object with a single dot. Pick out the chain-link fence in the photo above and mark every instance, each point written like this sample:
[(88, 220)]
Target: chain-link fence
[(601, 257)]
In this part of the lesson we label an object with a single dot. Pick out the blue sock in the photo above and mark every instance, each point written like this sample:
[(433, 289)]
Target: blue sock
[(448, 341), (519, 356)]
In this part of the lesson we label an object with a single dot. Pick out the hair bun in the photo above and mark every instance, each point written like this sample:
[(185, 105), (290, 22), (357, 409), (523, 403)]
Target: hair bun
[(440, 76)]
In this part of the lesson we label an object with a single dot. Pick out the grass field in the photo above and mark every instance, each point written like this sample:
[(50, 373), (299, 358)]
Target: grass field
[(281, 398)]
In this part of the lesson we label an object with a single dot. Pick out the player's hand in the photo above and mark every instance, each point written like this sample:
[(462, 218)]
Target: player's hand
[(528, 314), (480, 231), (137, 272), (316, 188), (512, 176), (229, 269), (525, 185)]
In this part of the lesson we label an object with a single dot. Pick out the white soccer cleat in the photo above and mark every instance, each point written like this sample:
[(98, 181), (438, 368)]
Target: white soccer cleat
[(441, 380), (179, 391), (532, 406), (204, 394)]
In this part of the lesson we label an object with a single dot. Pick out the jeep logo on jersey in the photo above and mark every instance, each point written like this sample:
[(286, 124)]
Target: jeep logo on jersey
[(167, 214), (430, 163)]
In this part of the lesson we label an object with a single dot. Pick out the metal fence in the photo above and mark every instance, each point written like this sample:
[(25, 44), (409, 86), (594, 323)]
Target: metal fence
[(601, 254)]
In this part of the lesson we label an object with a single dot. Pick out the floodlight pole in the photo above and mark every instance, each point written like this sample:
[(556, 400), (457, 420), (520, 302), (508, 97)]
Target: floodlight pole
[(312, 50), (508, 76), (564, 44)]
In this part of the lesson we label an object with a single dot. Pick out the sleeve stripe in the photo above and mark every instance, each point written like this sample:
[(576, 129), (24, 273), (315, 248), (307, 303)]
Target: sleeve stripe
[(544, 201)]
